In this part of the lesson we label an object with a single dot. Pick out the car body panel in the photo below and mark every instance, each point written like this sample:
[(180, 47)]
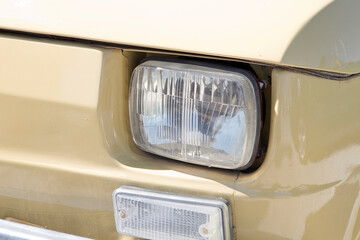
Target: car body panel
[(305, 34), (55, 163), (308, 186), (60, 160)]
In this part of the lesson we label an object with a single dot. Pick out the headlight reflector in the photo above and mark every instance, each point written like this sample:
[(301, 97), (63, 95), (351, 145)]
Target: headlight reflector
[(194, 113)]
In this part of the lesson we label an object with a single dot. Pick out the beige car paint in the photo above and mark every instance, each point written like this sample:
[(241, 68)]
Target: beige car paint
[(308, 186), (49, 76), (306, 34), (55, 162), (61, 158)]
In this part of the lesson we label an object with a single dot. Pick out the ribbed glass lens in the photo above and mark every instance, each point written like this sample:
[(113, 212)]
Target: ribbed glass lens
[(156, 215), (193, 113)]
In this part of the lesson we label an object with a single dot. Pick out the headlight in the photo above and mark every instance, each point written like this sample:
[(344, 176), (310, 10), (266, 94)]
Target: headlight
[(195, 113)]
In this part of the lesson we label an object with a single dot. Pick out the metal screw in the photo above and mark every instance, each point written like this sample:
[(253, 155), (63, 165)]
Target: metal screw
[(205, 231), (122, 214)]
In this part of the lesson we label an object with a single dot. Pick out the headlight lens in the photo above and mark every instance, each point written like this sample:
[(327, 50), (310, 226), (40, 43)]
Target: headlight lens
[(194, 113)]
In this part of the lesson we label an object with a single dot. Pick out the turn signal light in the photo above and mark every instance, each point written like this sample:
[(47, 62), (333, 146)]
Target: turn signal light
[(157, 215)]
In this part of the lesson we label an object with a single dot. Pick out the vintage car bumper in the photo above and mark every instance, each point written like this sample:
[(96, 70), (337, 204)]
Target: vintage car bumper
[(66, 145), (17, 231)]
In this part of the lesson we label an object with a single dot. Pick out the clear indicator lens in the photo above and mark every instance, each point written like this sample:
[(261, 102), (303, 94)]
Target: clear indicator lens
[(193, 113), (155, 215)]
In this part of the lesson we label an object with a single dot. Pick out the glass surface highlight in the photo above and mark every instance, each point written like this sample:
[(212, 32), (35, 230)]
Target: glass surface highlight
[(193, 113)]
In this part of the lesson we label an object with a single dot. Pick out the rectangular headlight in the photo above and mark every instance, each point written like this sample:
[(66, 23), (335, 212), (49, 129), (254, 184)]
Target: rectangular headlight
[(158, 215), (194, 113)]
